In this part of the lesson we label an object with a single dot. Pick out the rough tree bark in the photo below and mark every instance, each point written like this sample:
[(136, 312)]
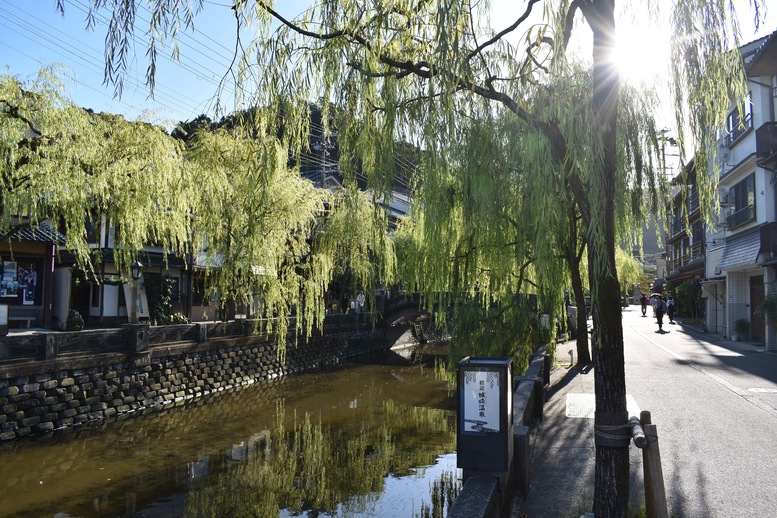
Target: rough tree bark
[(573, 256), (611, 490)]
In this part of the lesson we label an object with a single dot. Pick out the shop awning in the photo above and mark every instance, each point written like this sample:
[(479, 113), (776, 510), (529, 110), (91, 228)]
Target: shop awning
[(741, 251)]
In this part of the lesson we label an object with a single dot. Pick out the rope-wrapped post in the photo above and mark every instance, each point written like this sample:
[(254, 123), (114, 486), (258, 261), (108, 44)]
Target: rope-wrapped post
[(637, 432), (655, 494)]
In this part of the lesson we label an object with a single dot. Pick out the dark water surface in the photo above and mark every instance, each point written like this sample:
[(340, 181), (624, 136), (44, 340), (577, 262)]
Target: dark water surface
[(366, 440)]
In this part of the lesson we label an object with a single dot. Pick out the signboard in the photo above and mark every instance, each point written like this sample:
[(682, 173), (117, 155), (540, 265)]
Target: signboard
[(484, 441), (480, 401)]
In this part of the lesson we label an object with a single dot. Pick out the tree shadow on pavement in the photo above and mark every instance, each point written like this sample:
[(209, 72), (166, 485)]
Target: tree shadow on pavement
[(570, 375)]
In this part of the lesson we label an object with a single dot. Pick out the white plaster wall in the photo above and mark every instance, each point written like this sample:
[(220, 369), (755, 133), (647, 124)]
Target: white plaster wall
[(713, 257), (762, 99), (110, 301), (762, 195)]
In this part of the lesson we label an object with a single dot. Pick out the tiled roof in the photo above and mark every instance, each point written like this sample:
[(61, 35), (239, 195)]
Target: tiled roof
[(740, 251), (43, 233), (758, 60)]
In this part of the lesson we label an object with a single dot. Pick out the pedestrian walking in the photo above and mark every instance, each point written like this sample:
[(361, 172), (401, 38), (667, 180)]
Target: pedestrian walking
[(670, 307), (644, 302), (660, 307)]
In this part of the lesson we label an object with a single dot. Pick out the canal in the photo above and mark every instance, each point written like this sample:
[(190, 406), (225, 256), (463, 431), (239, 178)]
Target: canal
[(370, 439)]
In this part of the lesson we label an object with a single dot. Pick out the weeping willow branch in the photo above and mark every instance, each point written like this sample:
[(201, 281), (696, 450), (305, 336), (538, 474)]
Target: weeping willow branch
[(498, 37)]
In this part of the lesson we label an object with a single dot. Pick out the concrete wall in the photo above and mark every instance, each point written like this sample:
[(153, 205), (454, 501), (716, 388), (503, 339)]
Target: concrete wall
[(39, 396)]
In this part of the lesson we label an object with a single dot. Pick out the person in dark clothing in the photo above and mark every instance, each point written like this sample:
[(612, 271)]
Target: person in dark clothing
[(670, 306), (660, 310), (644, 302)]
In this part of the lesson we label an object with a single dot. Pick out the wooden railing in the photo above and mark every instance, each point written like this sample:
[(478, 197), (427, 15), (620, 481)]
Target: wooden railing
[(696, 251)]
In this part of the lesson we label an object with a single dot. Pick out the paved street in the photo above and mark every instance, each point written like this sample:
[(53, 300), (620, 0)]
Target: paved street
[(715, 406)]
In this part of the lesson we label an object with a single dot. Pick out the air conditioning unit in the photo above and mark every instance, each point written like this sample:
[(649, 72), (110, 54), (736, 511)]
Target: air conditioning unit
[(724, 153)]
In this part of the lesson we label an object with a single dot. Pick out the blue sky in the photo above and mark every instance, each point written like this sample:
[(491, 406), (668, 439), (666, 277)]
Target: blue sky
[(33, 35), (33, 38)]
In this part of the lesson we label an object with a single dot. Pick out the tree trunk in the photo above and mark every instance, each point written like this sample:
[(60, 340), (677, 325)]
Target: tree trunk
[(573, 259), (611, 489), (583, 355)]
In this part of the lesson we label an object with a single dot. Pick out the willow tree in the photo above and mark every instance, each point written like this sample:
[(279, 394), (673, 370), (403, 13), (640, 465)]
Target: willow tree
[(472, 241), (62, 163), (410, 70), (270, 234), (229, 198)]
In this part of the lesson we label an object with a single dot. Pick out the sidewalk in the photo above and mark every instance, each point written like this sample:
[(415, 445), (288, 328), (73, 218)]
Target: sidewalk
[(562, 472), (659, 366)]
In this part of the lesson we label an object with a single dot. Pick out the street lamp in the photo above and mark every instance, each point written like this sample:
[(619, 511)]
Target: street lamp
[(136, 269)]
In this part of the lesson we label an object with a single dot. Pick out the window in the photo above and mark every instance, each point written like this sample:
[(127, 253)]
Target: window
[(697, 230), (198, 292), (742, 200), (739, 121), (743, 194)]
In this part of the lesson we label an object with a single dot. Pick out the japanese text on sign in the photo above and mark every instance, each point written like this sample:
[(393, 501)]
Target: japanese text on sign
[(481, 401)]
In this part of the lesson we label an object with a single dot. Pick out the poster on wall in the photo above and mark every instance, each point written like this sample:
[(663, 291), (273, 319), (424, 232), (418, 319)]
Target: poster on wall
[(9, 286), (481, 401), (20, 282), (28, 280)]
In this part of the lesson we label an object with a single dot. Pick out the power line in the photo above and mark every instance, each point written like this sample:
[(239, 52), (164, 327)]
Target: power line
[(83, 54), (49, 40)]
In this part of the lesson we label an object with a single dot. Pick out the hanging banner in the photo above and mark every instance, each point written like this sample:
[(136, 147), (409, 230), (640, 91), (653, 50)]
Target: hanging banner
[(143, 311)]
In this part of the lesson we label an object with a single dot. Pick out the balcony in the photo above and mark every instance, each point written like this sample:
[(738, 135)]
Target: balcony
[(741, 217), (677, 226), (696, 251), (693, 202), (680, 209), (766, 146), (739, 128)]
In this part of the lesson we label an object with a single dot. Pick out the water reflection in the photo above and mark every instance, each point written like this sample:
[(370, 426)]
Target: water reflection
[(331, 444)]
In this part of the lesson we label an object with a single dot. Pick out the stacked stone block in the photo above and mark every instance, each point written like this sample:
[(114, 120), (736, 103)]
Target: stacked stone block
[(62, 397)]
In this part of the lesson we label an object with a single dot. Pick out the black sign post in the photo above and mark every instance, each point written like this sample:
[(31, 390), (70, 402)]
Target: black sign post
[(484, 439)]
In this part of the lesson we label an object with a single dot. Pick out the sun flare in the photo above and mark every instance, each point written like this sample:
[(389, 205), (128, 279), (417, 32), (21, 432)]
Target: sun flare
[(642, 55)]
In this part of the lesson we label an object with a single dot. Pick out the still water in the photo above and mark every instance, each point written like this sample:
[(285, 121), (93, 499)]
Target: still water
[(364, 441)]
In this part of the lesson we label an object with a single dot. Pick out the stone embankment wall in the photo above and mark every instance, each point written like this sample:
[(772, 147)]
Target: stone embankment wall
[(39, 396)]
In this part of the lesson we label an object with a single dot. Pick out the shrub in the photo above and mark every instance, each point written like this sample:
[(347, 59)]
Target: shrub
[(75, 322)]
